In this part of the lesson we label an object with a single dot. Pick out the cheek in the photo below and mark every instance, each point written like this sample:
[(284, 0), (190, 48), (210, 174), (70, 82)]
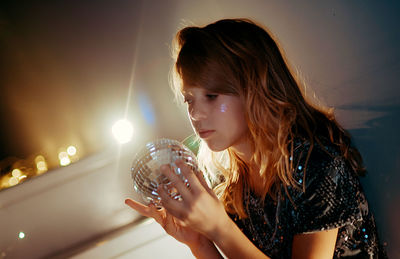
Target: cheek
[(223, 108), (238, 119), (231, 116)]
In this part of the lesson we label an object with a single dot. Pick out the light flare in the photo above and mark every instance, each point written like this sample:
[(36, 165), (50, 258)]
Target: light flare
[(122, 131)]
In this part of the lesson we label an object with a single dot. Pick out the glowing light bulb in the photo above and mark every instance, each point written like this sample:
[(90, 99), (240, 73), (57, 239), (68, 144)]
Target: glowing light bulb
[(122, 131), (71, 150)]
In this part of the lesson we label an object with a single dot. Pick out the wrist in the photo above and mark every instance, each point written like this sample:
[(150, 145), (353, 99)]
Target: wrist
[(200, 242), (223, 226), (204, 248)]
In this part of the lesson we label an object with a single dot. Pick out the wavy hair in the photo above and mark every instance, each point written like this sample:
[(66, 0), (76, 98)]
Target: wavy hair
[(239, 57)]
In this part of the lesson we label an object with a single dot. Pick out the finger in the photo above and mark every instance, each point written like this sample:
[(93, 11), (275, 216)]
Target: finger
[(159, 214), (150, 211), (202, 180), (173, 207), (180, 222), (142, 209), (170, 226), (205, 184), (188, 174), (176, 180), (199, 176)]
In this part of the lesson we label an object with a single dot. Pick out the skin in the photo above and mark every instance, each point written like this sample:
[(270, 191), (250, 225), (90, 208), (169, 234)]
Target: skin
[(217, 113), (178, 227), (199, 220)]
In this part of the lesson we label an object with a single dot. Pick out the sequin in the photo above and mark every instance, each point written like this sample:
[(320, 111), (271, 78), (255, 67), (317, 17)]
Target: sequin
[(333, 199)]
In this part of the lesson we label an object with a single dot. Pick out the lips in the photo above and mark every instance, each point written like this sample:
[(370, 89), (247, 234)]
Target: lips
[(205, 133)]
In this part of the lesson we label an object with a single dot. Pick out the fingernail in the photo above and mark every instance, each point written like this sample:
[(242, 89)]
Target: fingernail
[(178, 170)]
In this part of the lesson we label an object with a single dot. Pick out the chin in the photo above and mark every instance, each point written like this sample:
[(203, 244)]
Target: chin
[(215, 147)]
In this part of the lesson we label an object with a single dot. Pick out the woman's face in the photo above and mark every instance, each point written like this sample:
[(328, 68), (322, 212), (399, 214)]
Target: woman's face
[(218, 119)]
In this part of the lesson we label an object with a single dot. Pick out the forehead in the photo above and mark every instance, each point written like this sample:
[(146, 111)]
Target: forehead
[(190, 85), (191, 89)]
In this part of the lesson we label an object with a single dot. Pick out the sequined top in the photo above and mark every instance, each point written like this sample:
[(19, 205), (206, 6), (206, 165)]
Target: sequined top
[(333, 198)]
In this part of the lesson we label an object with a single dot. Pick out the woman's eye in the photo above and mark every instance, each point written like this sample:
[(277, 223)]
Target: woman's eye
[(211, 96)]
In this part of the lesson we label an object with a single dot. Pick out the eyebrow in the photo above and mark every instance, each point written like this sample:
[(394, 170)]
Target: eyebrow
[(183, 92), (187, 91)]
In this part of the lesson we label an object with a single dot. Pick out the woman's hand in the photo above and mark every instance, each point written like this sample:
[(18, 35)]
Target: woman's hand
[(173, 226), (200, 246), (199, 207), (198, 219)]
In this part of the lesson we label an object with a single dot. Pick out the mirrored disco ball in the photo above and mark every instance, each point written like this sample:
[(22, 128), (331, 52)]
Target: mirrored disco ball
[(146, 173)]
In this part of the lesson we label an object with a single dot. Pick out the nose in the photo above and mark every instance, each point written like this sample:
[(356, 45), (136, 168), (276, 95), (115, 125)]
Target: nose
[(197, 112)]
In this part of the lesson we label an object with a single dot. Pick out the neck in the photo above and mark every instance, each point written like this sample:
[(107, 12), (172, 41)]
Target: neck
[(245, 152), (244, 149)]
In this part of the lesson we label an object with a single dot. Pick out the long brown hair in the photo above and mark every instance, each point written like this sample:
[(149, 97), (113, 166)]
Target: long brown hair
[(239, 57)]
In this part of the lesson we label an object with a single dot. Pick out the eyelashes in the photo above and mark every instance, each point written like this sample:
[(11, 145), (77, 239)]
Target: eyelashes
[(187, 100), (209, 97)]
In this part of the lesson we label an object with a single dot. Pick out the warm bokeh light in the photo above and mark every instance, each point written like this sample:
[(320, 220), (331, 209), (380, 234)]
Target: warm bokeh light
[(62, 155), (39, 158), (16, 173), (122, 131), (71, 150), (41, 164), (41, 167), (64, 161), (13, 181)]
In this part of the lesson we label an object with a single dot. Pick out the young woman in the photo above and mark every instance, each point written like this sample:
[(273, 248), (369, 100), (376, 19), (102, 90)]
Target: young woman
[(287, 173)]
